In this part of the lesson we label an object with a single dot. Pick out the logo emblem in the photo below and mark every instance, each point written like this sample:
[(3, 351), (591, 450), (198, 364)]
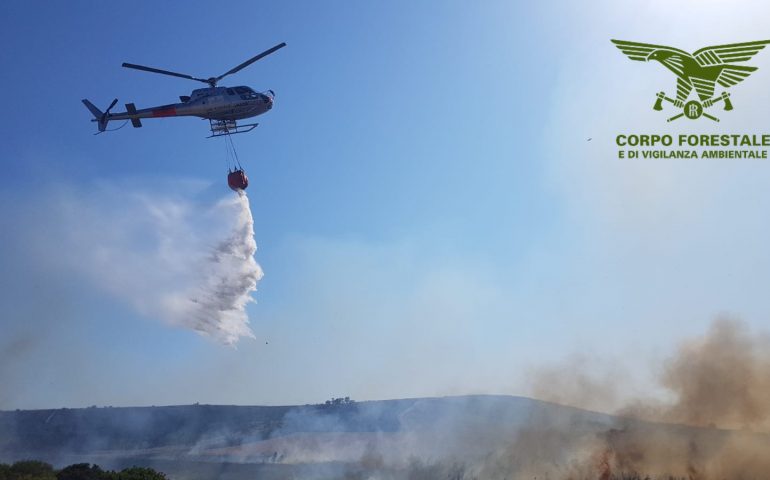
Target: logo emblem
[(700, 71)]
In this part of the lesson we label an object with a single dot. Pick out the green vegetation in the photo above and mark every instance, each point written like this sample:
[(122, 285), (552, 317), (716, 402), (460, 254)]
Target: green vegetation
[(36, 470), (27, 470), (334, 402)]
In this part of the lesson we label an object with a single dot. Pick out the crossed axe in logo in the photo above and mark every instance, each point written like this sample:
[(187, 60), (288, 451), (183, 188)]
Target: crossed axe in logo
[(693, 109)]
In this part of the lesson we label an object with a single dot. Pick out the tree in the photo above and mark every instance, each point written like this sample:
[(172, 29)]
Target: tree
[(36, 470), (31, 470), (140, 473), (82, 471)]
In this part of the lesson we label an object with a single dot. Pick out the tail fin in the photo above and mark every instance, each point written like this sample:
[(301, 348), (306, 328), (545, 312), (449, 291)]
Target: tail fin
[(99, 116), (94, 111)]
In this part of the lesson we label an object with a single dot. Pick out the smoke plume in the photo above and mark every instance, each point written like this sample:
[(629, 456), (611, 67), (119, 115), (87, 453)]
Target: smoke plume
[(714, 426), (721, 380), (718, 382)]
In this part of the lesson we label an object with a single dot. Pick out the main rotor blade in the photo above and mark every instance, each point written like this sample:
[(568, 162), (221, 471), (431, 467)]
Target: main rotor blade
[(164, 72), (252, 60)]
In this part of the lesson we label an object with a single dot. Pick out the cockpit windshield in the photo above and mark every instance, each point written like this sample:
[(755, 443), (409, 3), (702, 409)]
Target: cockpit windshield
[(245, 93)]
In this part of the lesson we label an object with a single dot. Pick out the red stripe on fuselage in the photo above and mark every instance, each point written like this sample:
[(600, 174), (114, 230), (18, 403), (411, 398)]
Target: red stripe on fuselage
[(165, 112)]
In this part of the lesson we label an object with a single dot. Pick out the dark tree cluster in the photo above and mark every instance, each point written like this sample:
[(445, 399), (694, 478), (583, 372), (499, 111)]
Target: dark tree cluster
[(339, 401), (37, 470)]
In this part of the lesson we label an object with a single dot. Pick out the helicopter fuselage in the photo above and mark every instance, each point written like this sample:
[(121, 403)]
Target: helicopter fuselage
[(221, 106), (213, 103)]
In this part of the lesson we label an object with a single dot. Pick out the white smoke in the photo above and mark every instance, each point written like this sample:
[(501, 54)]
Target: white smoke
[(187, 262)]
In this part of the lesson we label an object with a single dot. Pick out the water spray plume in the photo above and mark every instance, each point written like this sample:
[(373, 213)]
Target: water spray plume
[(171, 258), (216, 306)]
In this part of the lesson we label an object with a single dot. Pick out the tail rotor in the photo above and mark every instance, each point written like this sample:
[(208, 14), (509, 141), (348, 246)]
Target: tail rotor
[(101, 117)]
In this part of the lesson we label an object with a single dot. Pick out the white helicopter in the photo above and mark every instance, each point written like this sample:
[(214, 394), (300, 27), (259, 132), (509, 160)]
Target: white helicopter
[(222, 106)]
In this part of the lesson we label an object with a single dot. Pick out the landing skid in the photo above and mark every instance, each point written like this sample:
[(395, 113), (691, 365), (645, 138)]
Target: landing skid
[(229, 127)]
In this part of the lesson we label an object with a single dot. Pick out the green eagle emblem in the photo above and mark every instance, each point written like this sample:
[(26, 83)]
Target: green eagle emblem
[(701, 71)]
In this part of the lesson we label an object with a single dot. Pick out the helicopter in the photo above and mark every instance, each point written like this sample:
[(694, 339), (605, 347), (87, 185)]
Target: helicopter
[(221, 106)]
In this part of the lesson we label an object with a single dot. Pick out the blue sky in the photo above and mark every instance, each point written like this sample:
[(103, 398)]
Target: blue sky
[(429, 215)]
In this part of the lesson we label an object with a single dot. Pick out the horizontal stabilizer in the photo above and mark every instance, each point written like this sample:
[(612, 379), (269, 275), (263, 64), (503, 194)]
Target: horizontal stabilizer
[(131, 109)]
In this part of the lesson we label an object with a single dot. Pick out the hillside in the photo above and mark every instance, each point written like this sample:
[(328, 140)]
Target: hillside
[(204, 432), (434, 436)]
